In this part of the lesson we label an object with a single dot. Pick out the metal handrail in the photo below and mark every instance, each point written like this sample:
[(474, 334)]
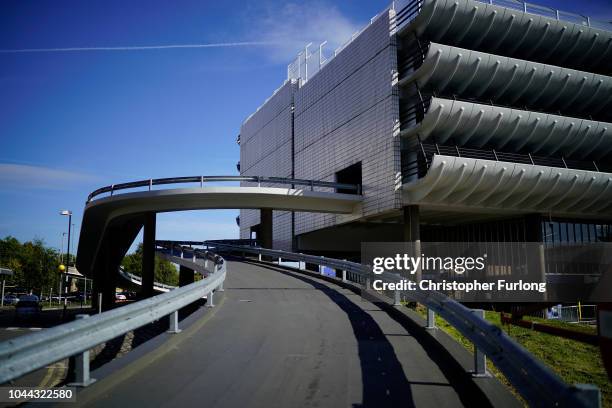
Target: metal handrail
[(413, 7), (206, 179), (135, 278), (537, 383), (27, 353), (523, 158)]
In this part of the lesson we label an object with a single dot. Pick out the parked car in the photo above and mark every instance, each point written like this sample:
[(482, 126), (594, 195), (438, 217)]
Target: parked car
[(129, 295), (10, 299), (120, 296), (28, 307)]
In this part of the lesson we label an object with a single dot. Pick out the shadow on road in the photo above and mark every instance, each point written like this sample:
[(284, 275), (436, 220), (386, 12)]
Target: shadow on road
[(384, 381)]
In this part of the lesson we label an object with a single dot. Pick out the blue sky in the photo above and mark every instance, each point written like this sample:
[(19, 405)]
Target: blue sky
[(71, 122)]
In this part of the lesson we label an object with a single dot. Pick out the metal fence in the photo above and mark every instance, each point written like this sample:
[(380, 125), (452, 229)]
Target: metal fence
[(28, 353), (538, 384), (574, 314)]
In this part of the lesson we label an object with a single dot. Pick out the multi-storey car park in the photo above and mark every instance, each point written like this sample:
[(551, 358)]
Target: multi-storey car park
[(462, 120)]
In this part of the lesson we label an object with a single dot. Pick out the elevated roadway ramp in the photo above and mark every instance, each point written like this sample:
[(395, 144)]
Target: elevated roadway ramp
[(110, 224), (283, 339)]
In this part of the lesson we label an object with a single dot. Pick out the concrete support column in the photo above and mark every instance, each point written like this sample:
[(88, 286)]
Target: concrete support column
[(265, 227), (412, 233), (105, 273), (186, 276), (412, 229), (536, 257), (148, 255)]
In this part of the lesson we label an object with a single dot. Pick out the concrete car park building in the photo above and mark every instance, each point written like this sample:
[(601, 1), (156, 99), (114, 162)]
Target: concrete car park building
[(462, 120)]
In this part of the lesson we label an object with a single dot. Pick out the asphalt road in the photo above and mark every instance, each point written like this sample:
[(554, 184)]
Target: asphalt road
[(280, 339)]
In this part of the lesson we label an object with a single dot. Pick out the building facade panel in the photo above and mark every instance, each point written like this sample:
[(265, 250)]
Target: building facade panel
[(345, 115), (266, 150)]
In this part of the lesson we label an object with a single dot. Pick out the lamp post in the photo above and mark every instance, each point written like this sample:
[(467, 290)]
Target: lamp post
[(61, 253), (69, 214)]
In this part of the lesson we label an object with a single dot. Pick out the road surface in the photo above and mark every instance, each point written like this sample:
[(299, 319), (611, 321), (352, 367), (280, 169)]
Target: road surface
[(279, 338)]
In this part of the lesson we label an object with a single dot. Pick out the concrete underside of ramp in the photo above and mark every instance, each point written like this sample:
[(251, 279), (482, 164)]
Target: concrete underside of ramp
[(283, 339)]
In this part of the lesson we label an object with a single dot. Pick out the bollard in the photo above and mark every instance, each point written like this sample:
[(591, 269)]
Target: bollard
[(431, 319), (279, 260), (174, 324), (209, 300), (81, 365), (397, 298), (480, 360), (259, 257), (99, 302), (589, 394)]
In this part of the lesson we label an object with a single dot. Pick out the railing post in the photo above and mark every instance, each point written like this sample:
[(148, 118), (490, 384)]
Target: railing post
[(344, 275), (259, 257), (590, 394), (431, 319), (81, 365), (209, 300), (279, 260), (480, 360), (99, 302), (174, 324), (397, 301)]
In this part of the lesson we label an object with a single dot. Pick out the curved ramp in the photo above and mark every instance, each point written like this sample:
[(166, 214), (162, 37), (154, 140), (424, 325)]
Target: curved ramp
[(282, 339), (451, 70), (137, 280), (488, 125), (491, 28), (515, 187), (110, 224)]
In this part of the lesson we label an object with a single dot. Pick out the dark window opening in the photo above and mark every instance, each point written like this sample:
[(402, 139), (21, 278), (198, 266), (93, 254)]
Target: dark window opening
[(349, 175)]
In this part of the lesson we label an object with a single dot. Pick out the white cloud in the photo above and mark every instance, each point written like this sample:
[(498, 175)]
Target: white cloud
[(22, 176), (292, 25)]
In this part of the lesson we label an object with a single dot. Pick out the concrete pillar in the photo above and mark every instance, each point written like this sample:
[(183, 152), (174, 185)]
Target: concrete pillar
[(148, 255), (186, 276), (412, 229), (412, 233), (105, 272), (536, 257), (265, 227)]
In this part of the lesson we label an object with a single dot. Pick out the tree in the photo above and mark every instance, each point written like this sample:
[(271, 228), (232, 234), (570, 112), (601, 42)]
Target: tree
[(34, 265), (165, 271)]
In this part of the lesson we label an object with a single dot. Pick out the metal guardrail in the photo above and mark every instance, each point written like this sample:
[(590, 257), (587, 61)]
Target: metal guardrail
[(538, 384), (424, 153), (25, 354), (208, 179), (138, 280), (408, 10)]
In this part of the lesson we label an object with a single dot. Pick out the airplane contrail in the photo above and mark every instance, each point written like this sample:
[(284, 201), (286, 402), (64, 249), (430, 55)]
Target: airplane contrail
[(139, 47)]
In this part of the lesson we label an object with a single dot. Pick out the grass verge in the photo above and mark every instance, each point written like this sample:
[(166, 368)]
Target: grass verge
[(573, 361)]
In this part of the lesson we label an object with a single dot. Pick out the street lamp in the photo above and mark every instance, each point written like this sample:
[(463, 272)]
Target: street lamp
[(69, 214)]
